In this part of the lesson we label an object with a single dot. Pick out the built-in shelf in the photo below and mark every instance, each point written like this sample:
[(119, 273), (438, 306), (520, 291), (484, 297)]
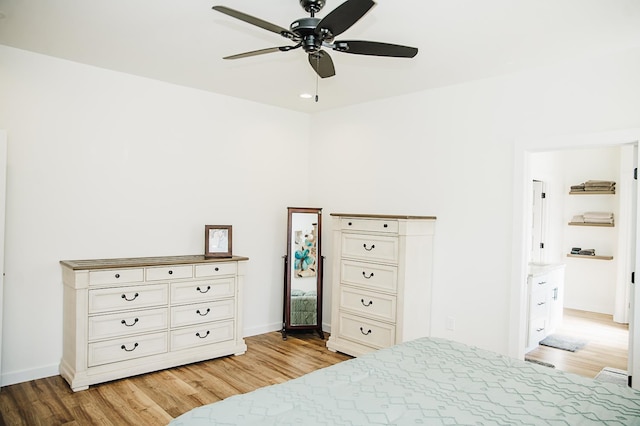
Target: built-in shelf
[(606, 225), (583, 256), (591, 192)]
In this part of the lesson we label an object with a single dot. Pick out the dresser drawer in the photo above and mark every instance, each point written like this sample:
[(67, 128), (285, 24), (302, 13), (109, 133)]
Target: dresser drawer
[(132, 297), (369, 304), (367, 331), (378, 248), (198, 313), (370, 225), (126, 348), (538, 304), (203, 334), (369, 275), (199, 291), (116, 276), (216, 269), (127, 323), (166, 273), (537, 331)]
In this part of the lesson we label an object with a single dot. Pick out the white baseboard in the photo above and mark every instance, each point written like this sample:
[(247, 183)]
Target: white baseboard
[(26, 375), (254, 331)]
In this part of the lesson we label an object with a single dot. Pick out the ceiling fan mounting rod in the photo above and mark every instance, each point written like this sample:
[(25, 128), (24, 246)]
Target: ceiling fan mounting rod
[(312, 6)]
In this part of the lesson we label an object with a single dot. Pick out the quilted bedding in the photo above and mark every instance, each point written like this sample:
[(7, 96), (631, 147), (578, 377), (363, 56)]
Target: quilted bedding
[(428, 381)]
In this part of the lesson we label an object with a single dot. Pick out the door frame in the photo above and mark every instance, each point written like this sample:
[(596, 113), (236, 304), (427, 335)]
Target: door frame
[(522, 193)]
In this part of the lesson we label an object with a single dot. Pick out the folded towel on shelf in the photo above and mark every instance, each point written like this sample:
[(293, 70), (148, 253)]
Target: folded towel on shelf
[(577, 219), (598, 215), (603, 221), (577, 187), (587, 252), (599, 183)]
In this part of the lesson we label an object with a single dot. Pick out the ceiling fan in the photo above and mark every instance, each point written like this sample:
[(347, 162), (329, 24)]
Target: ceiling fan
[(312, 34)]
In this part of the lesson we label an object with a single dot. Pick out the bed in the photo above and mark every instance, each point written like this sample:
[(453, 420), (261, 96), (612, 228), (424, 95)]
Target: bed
[(428, 381), (304, 307)]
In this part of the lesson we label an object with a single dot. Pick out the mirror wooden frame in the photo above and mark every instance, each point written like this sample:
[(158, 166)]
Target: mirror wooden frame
[(308, 263)]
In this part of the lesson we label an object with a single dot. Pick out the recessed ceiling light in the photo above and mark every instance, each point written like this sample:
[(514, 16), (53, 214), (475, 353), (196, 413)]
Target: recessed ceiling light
[(306, 95)]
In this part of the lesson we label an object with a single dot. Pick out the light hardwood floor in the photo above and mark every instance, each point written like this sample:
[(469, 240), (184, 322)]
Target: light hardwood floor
[(607, 344), (156, 398)]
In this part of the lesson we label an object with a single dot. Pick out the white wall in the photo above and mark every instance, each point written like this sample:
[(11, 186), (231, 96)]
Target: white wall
[(103, 164), (590, 285), (451, 153)]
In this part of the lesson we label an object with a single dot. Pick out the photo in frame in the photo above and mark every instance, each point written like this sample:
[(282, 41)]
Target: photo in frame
[(217, 241)]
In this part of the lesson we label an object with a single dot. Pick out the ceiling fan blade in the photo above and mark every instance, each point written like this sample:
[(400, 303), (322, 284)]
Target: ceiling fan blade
[(255, 21), (374, 48), (344, 16), (322, 63), (256, 52)]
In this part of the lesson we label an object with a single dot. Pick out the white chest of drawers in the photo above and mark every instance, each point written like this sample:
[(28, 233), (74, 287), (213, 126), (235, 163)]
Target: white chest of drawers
[(381, 289), (546, 300), (124, 317)]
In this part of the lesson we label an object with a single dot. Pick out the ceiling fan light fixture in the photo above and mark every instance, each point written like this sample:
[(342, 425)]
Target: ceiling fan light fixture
[(306, 95)]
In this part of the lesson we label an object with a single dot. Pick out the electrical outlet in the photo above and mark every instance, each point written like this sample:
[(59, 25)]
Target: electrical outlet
[(451, 323)]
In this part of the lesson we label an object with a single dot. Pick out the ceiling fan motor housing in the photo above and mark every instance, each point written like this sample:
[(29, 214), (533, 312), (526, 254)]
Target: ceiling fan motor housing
[(305, 28)]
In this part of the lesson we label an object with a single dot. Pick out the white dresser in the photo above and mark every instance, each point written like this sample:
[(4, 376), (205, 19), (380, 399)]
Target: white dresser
[(381, 290), (546, 299), (124, 317)]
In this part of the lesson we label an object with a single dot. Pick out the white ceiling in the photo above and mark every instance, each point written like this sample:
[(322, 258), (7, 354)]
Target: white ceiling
[(183, 42)]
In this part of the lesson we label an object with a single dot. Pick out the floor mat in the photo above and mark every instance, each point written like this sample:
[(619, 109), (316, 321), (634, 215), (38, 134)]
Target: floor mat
[(563, 342)]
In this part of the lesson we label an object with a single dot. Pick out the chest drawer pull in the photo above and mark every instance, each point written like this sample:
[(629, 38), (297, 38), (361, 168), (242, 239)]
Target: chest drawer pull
[(367, 304), (205, 291), (124, 296), (135, 345), (170, 272), (542, 303), (117, 275), (202, 337), (201, 314), (368, 249), (365, 275), (367, 333), (135, 321), (542, 282)]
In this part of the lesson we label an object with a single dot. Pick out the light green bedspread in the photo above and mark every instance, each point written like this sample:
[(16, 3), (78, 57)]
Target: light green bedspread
[(428, 381)]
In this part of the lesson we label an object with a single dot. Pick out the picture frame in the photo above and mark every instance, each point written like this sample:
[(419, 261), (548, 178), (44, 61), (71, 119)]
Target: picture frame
[(218, 241)]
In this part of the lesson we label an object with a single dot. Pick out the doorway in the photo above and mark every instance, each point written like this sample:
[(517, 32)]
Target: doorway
[(524, 150)]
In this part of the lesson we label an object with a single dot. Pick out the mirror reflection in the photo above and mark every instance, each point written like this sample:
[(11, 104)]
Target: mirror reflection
[(303, 299)]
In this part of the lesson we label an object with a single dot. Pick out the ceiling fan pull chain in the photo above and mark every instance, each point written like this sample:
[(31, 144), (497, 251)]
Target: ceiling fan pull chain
[(317, 76)]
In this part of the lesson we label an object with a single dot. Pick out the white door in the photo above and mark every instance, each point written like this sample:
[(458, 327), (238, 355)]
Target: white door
[(634, 329), (3, 181), (537, 226)]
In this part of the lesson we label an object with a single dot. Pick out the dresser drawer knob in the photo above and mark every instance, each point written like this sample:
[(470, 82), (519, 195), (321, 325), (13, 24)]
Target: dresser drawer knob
[(201, 314), (542, 303), (349, 223), (364, 274), (367, 304), (204, 291), (117, 275), (216, 269), (135, 345), (368, 249), (385, 225), (202, 337), (124, 296), (542, 282), (170, 272), (135, 321), (362, 331)]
